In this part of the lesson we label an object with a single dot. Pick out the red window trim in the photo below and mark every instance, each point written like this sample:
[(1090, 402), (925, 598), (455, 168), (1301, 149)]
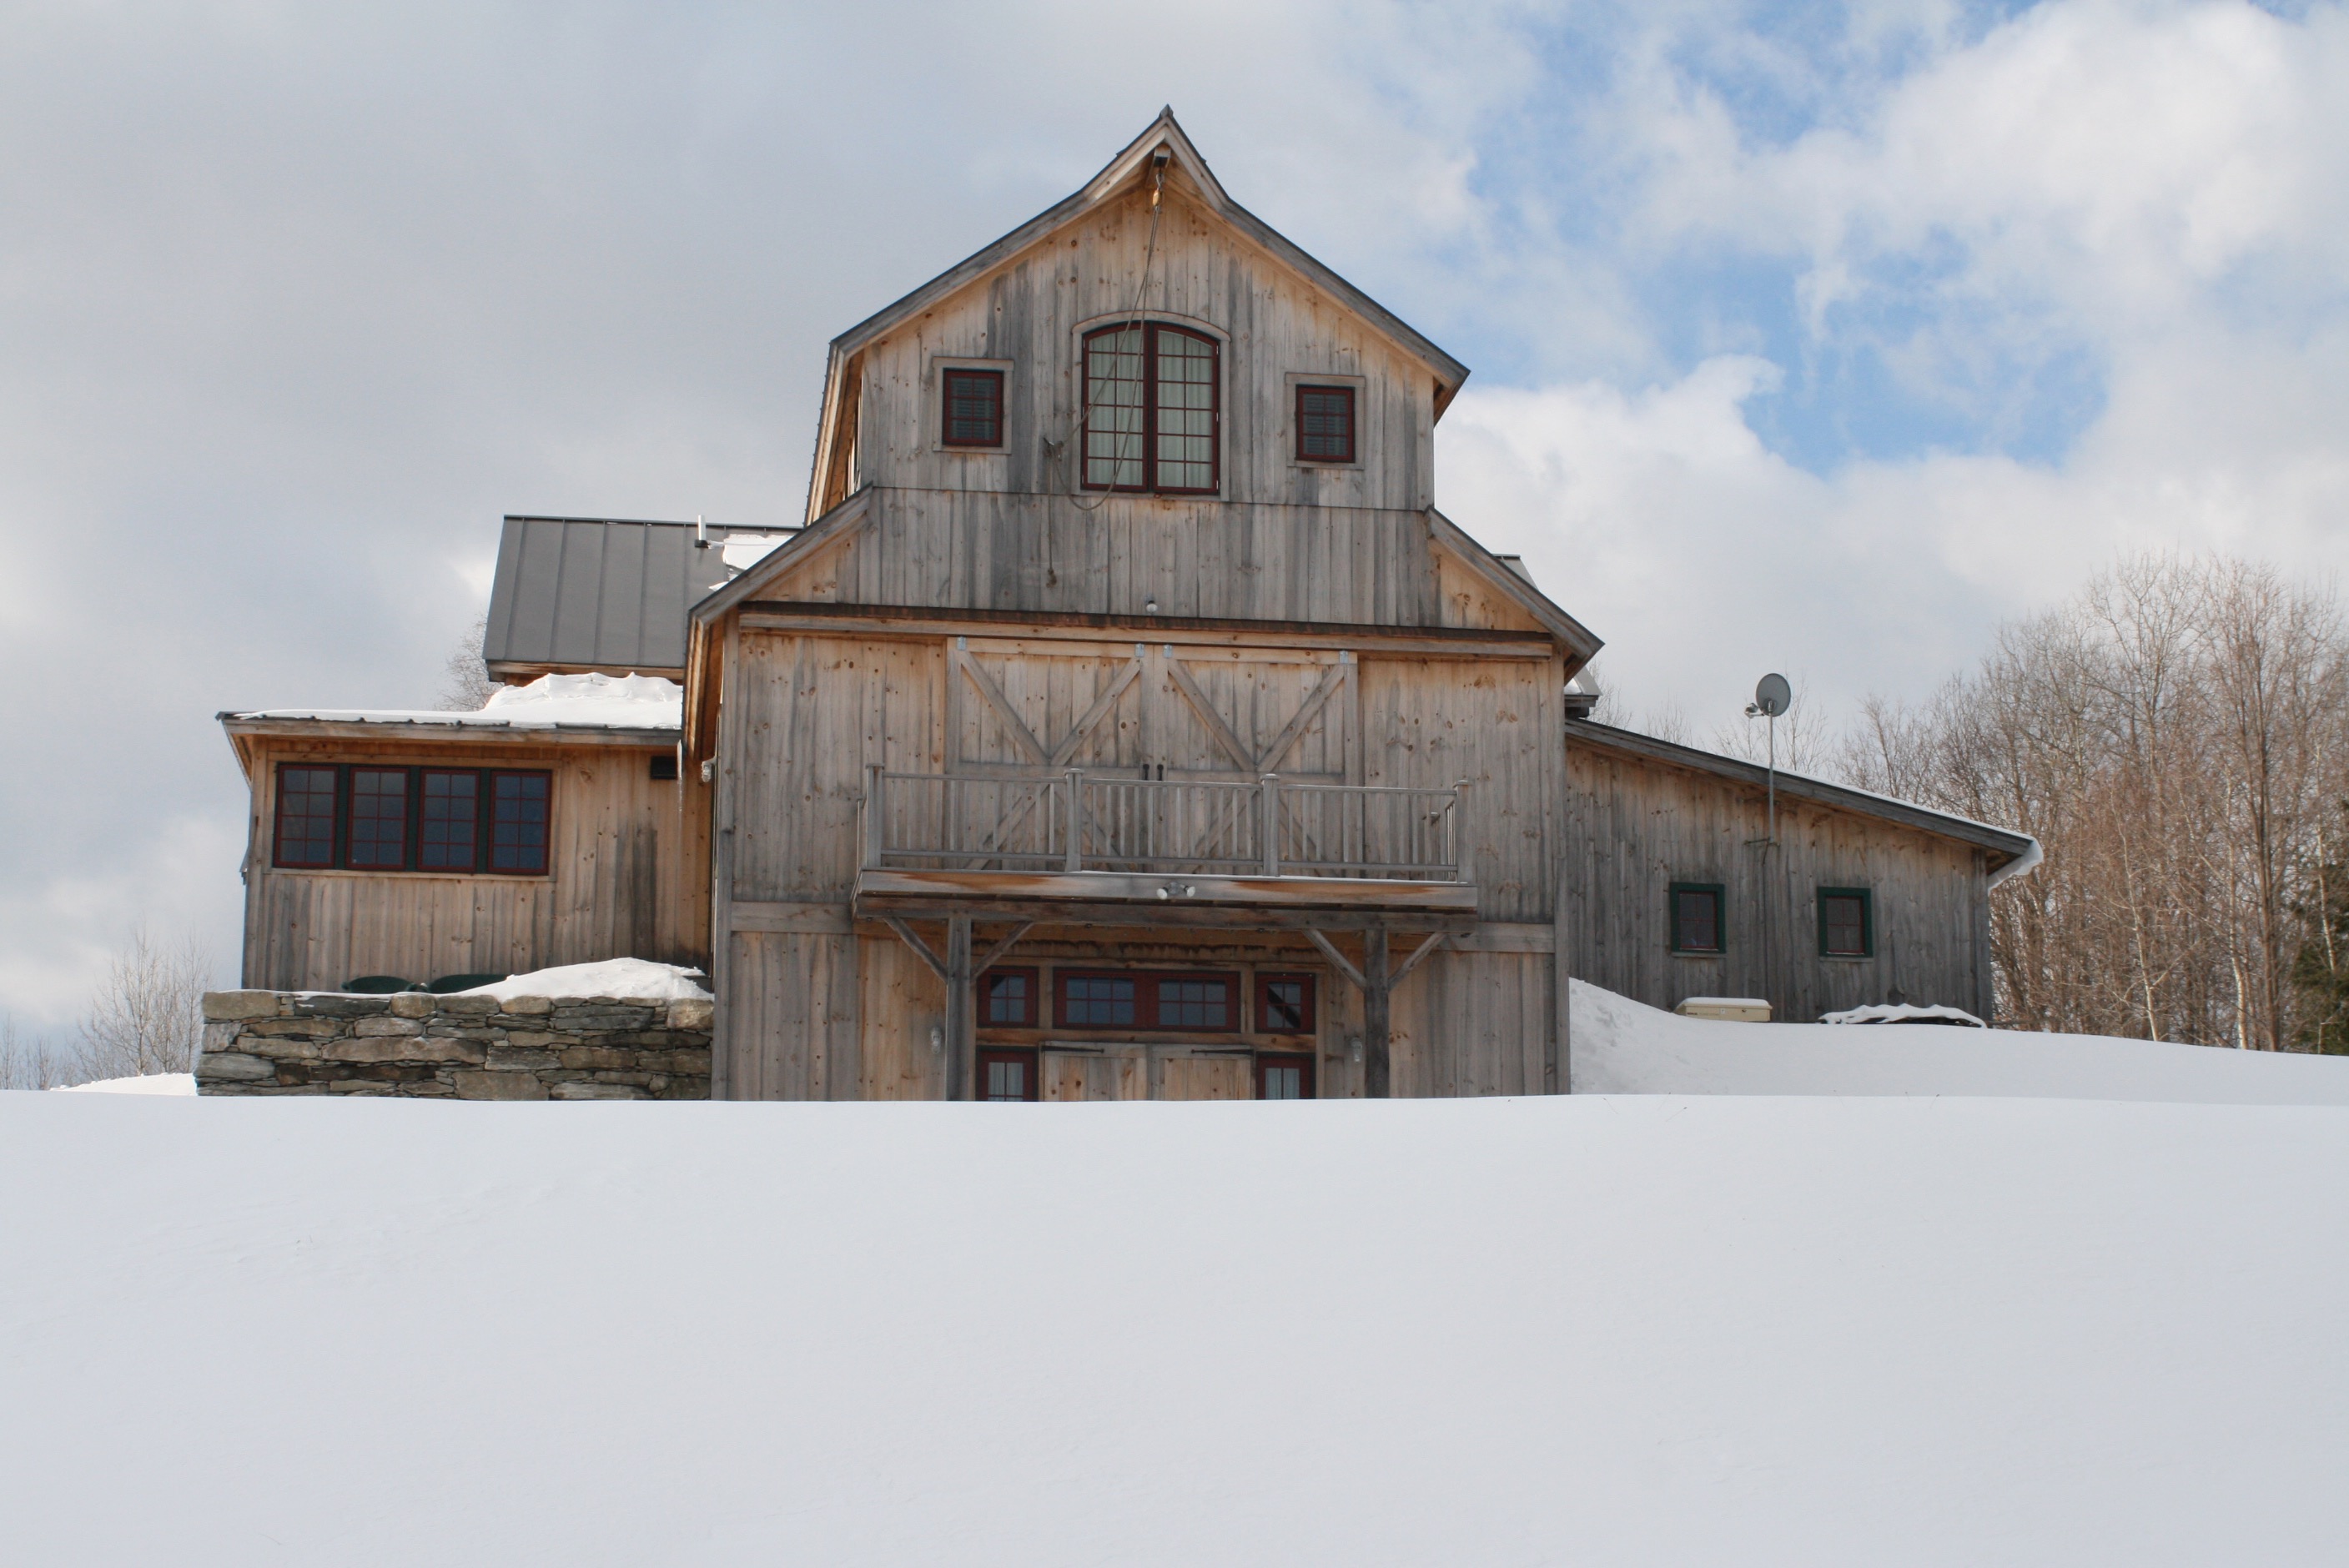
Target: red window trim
[(277, 856), (1285, 1059), (1027, 1057), (1035, 997), (946, 407), (1352, 425), (1149, 485), (411, 834), (1145, 999), (1264, 1003)]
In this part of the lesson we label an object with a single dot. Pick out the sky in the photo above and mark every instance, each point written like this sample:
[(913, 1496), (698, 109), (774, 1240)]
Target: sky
[(1819, 338)]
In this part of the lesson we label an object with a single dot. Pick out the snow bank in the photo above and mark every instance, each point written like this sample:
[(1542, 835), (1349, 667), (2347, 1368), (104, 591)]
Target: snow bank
[(1623, 1048), (588, 701), (621, 979), (1603, 1331), (152, 1083)]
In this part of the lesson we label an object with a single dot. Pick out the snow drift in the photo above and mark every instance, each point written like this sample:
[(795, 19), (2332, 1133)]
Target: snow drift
[(1623, 1048), (1634, 1330)]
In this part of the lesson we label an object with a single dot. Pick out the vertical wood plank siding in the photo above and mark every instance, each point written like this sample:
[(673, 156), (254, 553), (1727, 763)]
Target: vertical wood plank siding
[(626, 879), (1638, 826)]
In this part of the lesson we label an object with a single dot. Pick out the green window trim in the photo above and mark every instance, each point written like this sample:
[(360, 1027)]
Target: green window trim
[(1720, 916), (1866, 922)]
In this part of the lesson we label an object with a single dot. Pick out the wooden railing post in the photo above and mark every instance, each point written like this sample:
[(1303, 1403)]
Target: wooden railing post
[(1074, 850), (1268, 803), (872, 816)]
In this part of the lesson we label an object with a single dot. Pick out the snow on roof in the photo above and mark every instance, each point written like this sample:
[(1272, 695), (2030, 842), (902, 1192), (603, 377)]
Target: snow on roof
[(619, 979), (550, 702)]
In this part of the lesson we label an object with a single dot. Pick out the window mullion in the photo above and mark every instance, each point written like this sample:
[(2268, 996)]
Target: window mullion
[(1149, 408)]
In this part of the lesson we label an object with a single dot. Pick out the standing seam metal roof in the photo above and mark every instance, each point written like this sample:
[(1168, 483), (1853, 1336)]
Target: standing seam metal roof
[(593, 593)]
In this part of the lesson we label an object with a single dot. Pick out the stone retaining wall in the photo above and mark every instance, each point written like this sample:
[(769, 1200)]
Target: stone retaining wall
[(454, 1047)]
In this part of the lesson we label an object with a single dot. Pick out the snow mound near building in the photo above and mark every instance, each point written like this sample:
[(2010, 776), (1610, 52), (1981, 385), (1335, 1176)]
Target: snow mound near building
[(150, 1083), (1620, 1046), (1629, 1330), (618, 979)]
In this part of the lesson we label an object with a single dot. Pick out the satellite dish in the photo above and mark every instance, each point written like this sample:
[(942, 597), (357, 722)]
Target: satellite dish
[(1772, 695)]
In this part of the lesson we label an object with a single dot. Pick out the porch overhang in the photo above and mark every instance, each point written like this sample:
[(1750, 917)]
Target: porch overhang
[(1131, 899)]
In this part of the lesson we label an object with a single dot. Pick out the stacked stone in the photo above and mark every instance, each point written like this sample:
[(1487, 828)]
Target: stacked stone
[(454, 1047)]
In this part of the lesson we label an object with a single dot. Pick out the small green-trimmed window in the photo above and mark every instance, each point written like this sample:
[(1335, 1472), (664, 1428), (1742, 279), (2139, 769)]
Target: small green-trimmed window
[(1847, 922), (1697, 923)]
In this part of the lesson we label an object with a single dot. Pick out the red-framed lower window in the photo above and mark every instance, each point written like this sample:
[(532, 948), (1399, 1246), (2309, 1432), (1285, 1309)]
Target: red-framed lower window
[(1193, 1001), (1285, 1004), (1325, 424), (1008, 1075), (1010, 999), (1283, 1077), (366, 817)]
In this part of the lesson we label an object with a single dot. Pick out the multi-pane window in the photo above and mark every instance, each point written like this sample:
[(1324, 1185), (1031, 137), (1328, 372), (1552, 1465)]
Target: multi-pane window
[(379, 818), (1325, 424), (1284, 1004), (972, 403), (1284, 1078), (518, 822), (1152, 409), (1006, 1075), (413, 819), (1205, 1003), (1696, 923), (1106, 1000), (1007, 1000), (305, 816), (1195, 1004), (452, 819), (1845, 928)]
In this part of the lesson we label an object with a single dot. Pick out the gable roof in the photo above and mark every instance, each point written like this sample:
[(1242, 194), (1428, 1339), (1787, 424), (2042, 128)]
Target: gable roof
[(1187, 172)]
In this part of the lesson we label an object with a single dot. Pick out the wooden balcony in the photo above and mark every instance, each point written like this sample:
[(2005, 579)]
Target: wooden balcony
[(1078, 847)]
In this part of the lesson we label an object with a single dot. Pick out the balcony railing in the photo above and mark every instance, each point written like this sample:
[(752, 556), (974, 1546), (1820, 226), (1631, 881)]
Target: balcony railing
[(1080, 821)]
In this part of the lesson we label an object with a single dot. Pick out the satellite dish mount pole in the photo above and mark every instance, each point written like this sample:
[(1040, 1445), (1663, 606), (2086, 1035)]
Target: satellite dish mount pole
[(1772, 696)]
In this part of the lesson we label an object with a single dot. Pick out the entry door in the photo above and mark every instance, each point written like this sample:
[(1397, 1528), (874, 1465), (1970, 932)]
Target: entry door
[(1141, 1073), (1096, 1075)]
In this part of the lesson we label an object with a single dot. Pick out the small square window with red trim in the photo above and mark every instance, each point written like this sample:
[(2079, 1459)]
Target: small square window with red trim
[(972, 403), (1007, 999), (1325, 424)]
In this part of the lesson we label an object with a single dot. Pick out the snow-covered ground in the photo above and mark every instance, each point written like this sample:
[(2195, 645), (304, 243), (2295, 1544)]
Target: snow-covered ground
[(1623, 1048), (1631, 1329)]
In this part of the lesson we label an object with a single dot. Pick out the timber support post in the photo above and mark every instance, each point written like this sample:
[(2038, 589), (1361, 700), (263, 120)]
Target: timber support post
[(1377, 993), (962, 1011)]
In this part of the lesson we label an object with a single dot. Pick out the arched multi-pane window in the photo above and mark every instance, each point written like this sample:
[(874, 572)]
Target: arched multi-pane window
[(1152, 409)]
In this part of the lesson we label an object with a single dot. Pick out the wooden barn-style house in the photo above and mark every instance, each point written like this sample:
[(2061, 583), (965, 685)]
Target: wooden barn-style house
[(1123, 721)]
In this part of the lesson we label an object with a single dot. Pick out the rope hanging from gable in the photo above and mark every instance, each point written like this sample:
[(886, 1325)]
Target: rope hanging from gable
[(1083, 433)]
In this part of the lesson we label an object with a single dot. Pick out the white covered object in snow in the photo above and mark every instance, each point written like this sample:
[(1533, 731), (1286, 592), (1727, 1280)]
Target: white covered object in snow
[(1736, 1009), (150, 1083), (550, 702), (1620, 1046), (1904, 1013), (620, 979)]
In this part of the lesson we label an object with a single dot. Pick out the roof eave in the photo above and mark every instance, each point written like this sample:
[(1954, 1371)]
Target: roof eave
[(2015, 848)]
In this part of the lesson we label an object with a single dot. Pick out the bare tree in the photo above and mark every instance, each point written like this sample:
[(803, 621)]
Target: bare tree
[(148, 1015), (2176, 737), (25, 1060), (467, 684)]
